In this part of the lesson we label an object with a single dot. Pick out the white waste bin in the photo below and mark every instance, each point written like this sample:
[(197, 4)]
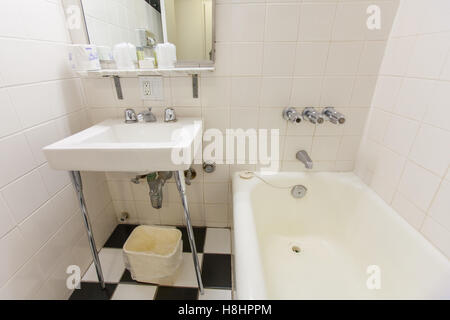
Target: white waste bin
[(153, 254)]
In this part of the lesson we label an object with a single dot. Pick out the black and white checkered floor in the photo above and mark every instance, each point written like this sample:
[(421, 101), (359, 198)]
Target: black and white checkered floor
[(214, 252)]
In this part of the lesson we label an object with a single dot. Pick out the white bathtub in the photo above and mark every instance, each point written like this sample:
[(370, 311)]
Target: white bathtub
[(340, 227)]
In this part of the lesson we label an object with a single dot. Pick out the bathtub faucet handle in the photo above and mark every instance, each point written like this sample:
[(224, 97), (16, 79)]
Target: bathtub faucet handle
[(290, 114), (312, 115), (333, 116)]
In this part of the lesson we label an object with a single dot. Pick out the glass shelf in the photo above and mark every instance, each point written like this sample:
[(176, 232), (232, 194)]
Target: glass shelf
[(145, 72)]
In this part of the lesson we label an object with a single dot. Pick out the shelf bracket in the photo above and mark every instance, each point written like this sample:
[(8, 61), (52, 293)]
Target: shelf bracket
[(195, 86), (118, 87)]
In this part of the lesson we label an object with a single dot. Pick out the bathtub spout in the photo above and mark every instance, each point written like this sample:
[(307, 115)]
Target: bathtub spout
[(304, 158)]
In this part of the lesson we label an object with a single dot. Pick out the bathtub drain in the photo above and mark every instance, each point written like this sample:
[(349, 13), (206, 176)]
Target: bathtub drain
[(298, 191)]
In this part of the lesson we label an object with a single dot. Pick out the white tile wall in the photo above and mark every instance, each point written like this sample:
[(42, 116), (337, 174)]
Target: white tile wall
[(270, 55), (407, 125), (8, 223), (346, 27), (20, 158), (11, 123), (41, 101), (25, 195), (316, 21), (281, 22)]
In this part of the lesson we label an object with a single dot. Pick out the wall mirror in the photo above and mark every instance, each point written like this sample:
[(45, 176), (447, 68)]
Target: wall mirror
[(189, 24)]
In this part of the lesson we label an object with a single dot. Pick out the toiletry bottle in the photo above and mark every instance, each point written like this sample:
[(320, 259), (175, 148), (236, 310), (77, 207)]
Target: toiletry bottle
[(140, 53)]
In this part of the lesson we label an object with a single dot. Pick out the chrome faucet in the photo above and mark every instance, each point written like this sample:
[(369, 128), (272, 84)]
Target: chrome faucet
[(169, 115), (303, 157), (312, 116), (130, 116), (290, 114), (333, 116), (146, 116)]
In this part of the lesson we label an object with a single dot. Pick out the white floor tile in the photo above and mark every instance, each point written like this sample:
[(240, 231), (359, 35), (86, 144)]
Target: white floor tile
[(185, 276), (217, 241), (112, 266), (134, 292), (214, 294)]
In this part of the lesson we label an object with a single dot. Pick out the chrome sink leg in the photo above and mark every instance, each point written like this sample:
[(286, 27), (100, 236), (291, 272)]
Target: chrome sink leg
[(179, 179), (77, 183)]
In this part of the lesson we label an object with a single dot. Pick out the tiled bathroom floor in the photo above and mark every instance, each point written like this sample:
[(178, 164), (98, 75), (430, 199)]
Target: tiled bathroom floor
[(214, 251)]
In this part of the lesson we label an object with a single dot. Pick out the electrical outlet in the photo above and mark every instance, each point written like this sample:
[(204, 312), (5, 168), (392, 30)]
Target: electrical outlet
[(147, 87), (151, 88)]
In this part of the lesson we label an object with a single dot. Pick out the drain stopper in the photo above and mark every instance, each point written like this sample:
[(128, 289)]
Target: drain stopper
[(298, 191)]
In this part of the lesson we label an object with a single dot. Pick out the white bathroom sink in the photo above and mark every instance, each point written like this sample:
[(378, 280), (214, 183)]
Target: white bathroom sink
[(113, 145)]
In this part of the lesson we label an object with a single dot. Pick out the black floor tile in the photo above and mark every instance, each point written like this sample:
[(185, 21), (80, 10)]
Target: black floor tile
[(176, 293), (216, 271), (119, 236), (199, 236), (126, 278), (93, 291)]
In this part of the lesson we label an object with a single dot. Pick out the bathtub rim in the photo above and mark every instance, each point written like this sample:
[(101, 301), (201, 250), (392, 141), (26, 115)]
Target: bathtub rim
[(249, 277)]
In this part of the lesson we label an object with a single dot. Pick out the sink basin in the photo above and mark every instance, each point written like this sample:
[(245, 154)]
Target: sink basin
[(113, 145)]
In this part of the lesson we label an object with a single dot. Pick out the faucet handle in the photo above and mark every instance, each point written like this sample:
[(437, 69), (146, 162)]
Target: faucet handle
[(169, 115), (290, 114), (130, 116), (333, 116), (312, 115)]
